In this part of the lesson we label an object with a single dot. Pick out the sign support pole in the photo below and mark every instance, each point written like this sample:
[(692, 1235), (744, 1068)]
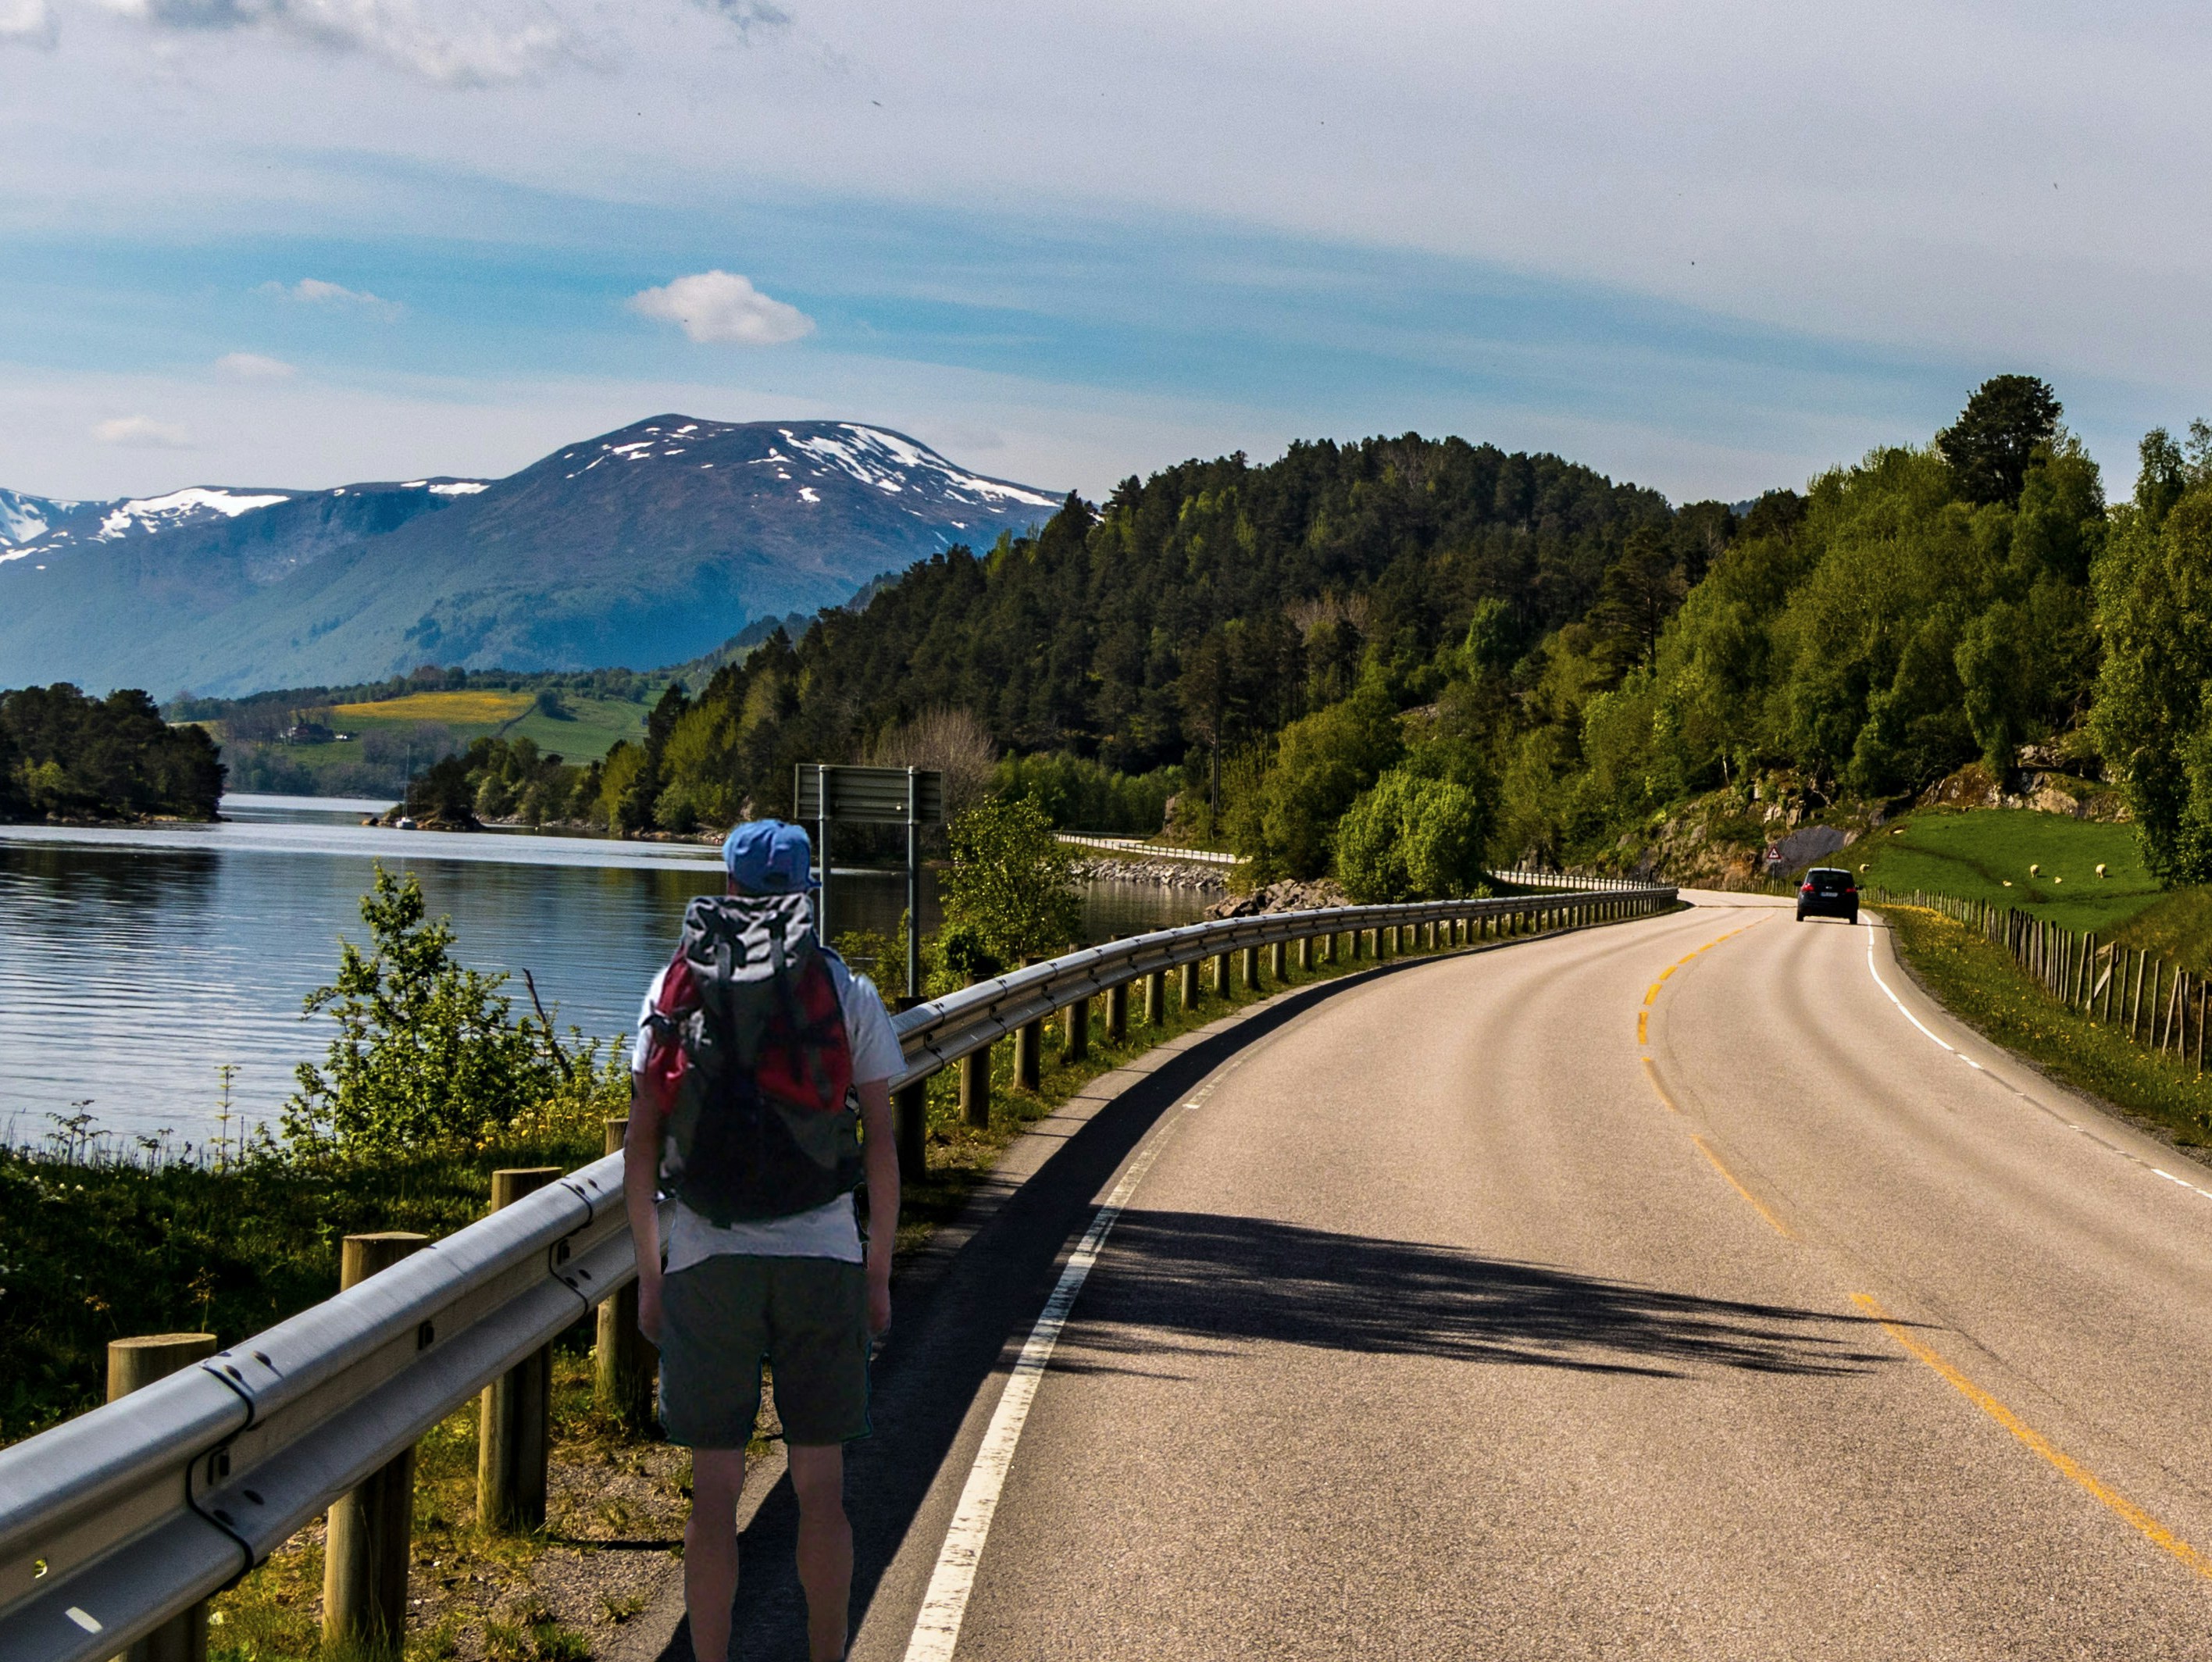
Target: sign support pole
[(822, 901), (913, 886)]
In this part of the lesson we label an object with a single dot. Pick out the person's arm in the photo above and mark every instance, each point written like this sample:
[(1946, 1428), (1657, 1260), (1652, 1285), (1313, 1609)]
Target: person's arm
[(640, 1183), (879, 1157)]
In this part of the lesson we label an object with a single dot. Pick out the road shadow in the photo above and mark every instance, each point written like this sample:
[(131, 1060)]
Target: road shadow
[(1218, 1280), (959, 1323)]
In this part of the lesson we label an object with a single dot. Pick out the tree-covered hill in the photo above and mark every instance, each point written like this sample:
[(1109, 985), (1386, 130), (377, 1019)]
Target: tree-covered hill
[(1191, 618)]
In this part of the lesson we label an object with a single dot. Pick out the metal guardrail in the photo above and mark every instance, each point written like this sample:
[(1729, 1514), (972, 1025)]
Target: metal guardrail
[(113, 1522), (1568, 880)]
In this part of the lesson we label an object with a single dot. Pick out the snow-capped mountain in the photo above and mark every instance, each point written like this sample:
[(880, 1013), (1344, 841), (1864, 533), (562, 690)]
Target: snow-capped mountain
[(646, 546)]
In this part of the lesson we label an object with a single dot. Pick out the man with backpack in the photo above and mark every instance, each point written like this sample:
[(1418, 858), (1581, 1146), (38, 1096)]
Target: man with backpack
[(761, 1098)]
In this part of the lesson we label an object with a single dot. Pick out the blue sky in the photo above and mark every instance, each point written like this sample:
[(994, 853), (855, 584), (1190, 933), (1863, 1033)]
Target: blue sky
[(1712, 250)]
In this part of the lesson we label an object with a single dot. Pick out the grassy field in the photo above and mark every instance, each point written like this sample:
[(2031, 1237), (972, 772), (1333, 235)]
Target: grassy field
[(2176, 926), (588, 729), (482, 708), (1984, 854)]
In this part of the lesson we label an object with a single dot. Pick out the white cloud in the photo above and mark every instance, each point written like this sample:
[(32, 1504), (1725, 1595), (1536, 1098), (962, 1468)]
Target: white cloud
[(314, 291), (141, 433), (454, 44), (723, 308), (28, 23), (253, 367)]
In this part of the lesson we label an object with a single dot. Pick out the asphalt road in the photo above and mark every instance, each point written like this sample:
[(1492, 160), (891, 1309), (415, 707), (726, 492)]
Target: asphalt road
[(1527, 1304)]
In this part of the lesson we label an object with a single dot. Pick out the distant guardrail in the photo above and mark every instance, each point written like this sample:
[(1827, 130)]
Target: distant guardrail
[(1150, 850), (1569, 881), (115, 1522)]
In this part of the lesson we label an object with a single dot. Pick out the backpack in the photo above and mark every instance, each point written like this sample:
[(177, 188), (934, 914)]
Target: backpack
[(764, 1122)]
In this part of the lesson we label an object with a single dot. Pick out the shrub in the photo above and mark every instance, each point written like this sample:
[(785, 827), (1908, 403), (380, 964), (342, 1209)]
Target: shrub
[(427, 1053), (1410, 839), (1008, 883)]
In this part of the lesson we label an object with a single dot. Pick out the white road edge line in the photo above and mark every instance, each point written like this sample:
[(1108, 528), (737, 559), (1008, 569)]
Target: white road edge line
[(1907, 1014), (937, 1628), (1978, 1068)]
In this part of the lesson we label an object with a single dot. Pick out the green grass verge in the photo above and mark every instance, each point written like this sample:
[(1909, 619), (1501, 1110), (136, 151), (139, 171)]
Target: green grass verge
[(1978, 981), (1974, 854)]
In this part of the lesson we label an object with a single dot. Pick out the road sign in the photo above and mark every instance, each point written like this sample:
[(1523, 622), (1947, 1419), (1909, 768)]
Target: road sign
[(823, 795), (887, 795)]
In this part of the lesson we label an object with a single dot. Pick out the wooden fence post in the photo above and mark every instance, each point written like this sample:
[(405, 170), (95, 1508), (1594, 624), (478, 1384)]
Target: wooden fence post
[(1220, 962), (132, 1365), (1156, 997), (1305, 952), (1277, 963), (1251, 969), (514, 1425), (1188, 989), (1078, 1030), (1117, 1012), (365, 1555), (624, 1361)]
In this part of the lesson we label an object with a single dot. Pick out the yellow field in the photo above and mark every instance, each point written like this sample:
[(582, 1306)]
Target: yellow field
[(472, 709)]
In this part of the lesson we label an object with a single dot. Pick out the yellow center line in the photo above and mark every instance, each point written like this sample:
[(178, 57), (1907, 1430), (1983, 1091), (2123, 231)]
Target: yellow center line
[(1651, 1073), (1757, 1205), (1651, 993), (2149, 1527)]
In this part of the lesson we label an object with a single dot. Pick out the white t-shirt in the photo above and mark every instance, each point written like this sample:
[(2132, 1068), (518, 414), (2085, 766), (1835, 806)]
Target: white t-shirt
[(830, 1230)]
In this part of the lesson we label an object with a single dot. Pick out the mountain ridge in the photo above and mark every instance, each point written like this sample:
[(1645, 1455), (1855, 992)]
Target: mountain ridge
[(647, 545)]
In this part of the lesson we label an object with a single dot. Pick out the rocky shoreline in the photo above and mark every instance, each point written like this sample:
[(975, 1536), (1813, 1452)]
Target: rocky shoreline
[(1188, 875)]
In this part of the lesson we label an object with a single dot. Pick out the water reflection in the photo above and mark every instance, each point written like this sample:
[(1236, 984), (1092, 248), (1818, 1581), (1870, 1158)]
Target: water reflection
[(132, 962)]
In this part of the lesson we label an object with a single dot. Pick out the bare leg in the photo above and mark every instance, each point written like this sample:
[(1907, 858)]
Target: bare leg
[(825, 1547), (710, 1550)]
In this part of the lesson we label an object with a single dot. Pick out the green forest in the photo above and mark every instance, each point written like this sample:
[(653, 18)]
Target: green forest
[(64, 756), (1402, 659)]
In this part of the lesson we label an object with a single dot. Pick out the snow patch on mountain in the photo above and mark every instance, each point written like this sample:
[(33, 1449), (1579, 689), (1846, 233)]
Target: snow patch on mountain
[(23, 519), (180, 508)]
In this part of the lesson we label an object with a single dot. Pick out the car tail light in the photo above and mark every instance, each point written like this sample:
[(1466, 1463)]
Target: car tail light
[(1805, 889)]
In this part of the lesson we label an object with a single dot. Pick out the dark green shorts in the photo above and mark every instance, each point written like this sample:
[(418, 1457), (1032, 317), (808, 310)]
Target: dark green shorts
[(806, 1317)]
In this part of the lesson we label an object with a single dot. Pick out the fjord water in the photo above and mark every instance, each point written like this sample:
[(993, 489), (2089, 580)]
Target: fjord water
[(134, 962)]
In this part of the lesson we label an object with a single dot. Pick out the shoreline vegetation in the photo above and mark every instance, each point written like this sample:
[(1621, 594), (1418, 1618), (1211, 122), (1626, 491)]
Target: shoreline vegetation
[(66, 759)]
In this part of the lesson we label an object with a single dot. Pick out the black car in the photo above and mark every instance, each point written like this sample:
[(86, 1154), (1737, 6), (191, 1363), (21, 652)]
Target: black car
[(1828, 891)]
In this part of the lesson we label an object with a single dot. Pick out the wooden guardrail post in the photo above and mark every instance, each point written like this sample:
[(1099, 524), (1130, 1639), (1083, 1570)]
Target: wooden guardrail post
[(1251, 969), (1305, 952), (1220, 962), (910, 1120), (1358, 944), (1278, 962), (514, 1425), (1078, 1029), (976, 1088), (1117, 1012), (365, 1557), (1189, 987), (1028, 1051), (1156, 997), (132, 1365), (624, 1361)]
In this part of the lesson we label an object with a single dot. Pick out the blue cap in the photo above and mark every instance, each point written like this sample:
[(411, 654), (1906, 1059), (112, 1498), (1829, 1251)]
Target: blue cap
[(769, 857)]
